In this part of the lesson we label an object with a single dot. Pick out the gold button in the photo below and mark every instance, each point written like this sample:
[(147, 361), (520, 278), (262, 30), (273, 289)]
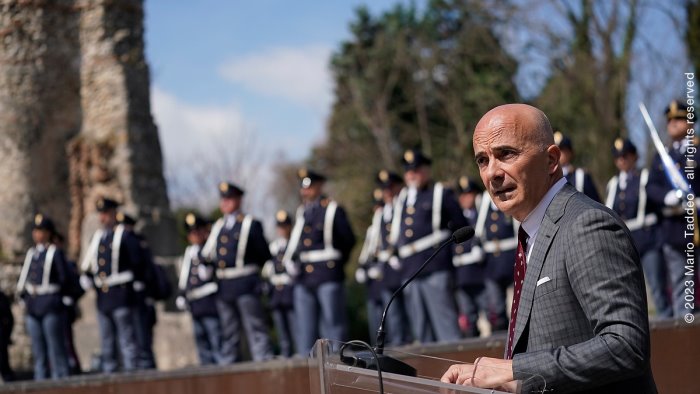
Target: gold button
[(103, 275), (459, 249), (408, 221), (222, 264), (307, 242), (494, 228), (102, 248), (622, 205), (410, 210), (307, 229), (622, 194), (309, 268), (223, 239), (222, 251), (388, 226), (409, 233), (194, 270), (105, 288), (101, 261), (330, 264), (193, 281), (494, 215)]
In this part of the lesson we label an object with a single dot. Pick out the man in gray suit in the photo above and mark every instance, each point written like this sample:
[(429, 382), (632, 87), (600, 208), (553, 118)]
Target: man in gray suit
[(579, 314)]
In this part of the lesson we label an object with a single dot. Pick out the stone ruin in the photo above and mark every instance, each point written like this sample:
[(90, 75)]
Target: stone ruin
[(75, 120), (75, 124)]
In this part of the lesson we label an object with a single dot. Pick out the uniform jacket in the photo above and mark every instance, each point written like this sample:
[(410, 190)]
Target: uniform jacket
[(222, 248), (369, 265), (391, 276), (114, 280), (44, 281), (673, 220), (280, 284), (417, 221), (468, 257), (633, 206), (582, 323), (497, 234), (200, 294), (313, 224)]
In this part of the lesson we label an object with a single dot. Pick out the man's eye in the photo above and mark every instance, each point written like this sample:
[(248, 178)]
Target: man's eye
[(481, 161)]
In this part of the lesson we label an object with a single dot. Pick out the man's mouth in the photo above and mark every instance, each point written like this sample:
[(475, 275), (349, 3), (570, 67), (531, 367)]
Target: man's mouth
[(503, 193)]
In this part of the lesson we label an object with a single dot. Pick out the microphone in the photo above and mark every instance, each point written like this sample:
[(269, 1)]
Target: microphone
[(390, 364)]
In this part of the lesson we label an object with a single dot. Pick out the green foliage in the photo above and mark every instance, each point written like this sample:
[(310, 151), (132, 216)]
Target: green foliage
[(586, 94)]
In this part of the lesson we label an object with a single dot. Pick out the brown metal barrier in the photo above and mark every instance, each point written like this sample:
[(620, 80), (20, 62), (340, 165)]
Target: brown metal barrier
[(675, 361)]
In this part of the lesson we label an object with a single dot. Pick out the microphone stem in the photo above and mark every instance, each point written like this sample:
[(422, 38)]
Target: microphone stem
[(381, 332)]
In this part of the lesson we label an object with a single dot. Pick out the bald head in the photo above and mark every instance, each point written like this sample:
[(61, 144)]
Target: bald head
[(517, 158), (524, 119)]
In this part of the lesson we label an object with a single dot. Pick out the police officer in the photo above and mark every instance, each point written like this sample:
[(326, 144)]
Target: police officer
[(71, 308), (626, 195), (497, 234), (238, 249), (425, 211), (280, 287), (7, 322), (398, 327), (197, 290), (578, 177), (111, 265), (673, 201), (318, 249), (369, 269), (43, 282), (144, 311), (468, 260)]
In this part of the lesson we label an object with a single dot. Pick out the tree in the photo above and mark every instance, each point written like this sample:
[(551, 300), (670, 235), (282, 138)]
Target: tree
[(586, 94)]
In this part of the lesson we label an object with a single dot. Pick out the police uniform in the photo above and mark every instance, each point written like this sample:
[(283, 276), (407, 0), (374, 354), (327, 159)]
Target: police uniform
[(111, 263), (144, 309), (497, 233), (578, 177), (626, 195), (197, 290), (468, 259), (671, 203), (398, 326), (369, 269), (421, 222), (70, 313), (43, 282), (281, 290), (238, 249), (318, 249)]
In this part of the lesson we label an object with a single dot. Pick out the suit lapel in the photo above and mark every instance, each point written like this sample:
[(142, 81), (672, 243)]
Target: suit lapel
[(543, 241)]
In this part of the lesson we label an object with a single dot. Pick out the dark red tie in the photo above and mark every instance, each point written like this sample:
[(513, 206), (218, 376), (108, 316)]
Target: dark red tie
[(518, 279)]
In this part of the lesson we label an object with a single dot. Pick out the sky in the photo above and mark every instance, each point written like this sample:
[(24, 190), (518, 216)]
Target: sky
[(221, 69), (246, 83)]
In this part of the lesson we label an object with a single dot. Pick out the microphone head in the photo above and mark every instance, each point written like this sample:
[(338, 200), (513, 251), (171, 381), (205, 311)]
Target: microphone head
[(463, 234)]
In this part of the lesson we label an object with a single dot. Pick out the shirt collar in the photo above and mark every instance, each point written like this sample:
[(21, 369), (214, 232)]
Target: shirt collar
[(533, 221)]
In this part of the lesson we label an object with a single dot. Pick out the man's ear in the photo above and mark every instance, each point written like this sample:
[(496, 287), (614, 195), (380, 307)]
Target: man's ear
[(553, 155)]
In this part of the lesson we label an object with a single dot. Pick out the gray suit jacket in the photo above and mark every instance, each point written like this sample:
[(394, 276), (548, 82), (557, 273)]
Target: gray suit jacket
[(586, 328)]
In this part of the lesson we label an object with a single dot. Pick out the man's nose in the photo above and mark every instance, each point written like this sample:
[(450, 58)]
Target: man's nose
[(494, 172)]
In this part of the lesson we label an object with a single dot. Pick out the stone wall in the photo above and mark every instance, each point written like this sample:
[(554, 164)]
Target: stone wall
[(117, 121), (39, 112)]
